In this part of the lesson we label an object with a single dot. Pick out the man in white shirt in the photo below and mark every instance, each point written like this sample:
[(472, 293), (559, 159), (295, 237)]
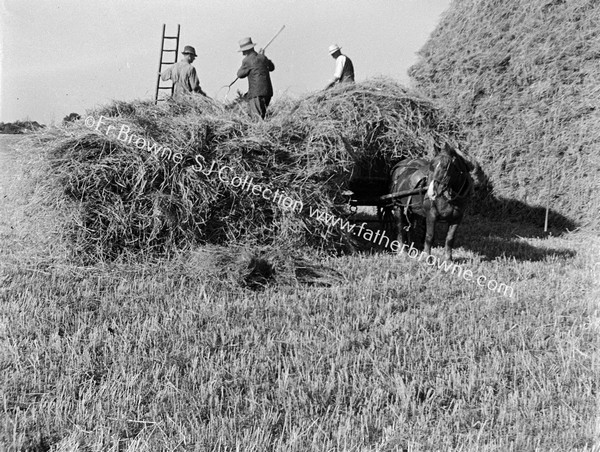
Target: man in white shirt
[(344, 69)]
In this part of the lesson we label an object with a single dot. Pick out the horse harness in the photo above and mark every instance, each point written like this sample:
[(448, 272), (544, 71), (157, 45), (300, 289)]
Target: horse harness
[(422, 180), (417, 179), (464, 190)]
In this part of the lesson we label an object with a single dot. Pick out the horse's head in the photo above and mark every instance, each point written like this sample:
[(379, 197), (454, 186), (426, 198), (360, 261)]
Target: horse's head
[(439, 175), (448, 173)]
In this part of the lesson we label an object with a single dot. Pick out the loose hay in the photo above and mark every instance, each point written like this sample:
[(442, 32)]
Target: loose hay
[(129, 199), (256, 267)]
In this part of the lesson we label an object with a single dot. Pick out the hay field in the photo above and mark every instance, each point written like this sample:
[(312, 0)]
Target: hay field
[(383, 353)]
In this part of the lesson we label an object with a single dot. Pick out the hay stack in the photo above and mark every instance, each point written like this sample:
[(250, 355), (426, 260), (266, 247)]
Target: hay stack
[(523, 77), (130, 198)]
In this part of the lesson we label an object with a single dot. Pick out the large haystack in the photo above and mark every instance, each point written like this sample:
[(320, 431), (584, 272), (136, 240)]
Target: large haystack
[(137, 174), (524, 77)]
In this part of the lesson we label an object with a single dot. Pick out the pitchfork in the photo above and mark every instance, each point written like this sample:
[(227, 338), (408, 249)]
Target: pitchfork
[(262, 51)]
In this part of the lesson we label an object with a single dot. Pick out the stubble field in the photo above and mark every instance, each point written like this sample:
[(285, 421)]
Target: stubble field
[(391, 354)]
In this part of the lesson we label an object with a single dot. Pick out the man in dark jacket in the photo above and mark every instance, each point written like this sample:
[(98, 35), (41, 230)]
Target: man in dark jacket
[(256, 66)]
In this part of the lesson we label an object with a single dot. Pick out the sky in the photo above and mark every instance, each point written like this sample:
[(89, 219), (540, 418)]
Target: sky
[(63, 56)]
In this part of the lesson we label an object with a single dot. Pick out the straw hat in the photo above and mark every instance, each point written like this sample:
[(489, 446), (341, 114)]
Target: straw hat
[(190, 50), (334, 48), (246, 44)]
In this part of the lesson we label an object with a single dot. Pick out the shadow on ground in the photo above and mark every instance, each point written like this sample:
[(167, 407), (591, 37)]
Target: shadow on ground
[(497, 227), (493, 238), (498, 233)]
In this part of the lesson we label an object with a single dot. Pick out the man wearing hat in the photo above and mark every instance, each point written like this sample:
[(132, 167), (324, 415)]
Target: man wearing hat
[(183, 75), (344, 69), (256, 66)]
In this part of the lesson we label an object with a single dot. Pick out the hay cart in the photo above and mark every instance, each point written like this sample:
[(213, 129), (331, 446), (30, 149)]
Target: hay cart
[(369, 189), (372, 191)]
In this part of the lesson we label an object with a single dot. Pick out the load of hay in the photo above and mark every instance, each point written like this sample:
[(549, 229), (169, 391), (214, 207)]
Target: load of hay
[(140, 177)]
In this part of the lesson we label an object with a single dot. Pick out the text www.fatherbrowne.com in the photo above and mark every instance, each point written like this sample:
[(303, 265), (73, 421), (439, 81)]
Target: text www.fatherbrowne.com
[(379, 238), (246, 183)]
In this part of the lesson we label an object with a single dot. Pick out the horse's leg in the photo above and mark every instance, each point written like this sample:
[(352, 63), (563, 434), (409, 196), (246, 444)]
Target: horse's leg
[(407, 224), (431, 219), (452, 227), (397, 223), (388, 222), (401, 231)]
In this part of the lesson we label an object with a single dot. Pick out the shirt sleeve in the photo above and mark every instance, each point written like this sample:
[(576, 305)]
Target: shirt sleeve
[(339, 66), (244, 70), (166, 74), (193, 80), (270, 65)]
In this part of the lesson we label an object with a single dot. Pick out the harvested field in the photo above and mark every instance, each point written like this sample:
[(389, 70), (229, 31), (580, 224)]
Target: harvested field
[(162, 338), (383, 353)]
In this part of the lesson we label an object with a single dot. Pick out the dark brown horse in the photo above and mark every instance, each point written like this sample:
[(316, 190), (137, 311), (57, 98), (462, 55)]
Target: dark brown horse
[(446, 186)]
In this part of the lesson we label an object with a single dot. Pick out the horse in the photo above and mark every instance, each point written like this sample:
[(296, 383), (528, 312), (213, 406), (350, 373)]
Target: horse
[(442, 186)]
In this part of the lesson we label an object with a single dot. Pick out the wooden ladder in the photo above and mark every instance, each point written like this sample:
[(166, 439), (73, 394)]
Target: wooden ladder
[(163, 63)]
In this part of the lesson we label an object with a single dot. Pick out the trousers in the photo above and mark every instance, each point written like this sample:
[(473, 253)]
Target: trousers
[(257, 106)]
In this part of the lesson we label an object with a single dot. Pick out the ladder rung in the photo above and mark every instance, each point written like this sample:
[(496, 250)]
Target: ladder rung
[(163, 54)]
